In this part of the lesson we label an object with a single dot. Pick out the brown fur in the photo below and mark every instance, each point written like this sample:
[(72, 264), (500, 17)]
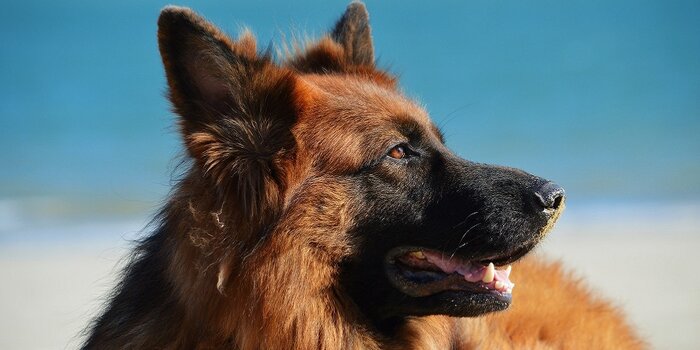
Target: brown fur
[(251, 239), (551, 310)]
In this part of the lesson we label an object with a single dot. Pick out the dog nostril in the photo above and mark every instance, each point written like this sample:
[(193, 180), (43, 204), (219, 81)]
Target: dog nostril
[(550, 195)]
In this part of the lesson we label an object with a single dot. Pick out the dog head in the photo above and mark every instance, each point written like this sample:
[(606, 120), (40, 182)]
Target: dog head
[(323, 147)]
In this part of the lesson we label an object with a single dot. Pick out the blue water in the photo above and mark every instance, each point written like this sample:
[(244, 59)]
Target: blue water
[(601, 96)]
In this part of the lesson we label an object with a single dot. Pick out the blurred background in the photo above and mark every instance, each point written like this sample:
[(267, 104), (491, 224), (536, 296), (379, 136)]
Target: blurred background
[(602, 97)]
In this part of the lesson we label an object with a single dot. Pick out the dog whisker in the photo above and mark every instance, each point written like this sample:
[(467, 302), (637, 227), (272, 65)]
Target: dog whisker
[(459, 244), (465, 220)]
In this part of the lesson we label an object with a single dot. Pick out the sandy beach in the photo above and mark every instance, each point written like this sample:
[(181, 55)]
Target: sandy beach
[(639, 257)]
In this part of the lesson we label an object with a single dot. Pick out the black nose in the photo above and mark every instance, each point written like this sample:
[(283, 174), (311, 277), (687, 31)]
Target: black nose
[(550, 195)]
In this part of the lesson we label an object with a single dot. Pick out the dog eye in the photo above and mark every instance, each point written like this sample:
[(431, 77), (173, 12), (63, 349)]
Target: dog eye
[(398, 152)]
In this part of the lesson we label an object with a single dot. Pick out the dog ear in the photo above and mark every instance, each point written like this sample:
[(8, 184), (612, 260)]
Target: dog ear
[(236, 107), (353, 33), (348, 48)]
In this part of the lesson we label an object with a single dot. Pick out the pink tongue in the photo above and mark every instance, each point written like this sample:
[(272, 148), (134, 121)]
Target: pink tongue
[(471, 272), (502, 275)]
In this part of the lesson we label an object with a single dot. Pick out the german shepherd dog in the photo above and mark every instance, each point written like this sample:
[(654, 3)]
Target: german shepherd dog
[(322, 210)]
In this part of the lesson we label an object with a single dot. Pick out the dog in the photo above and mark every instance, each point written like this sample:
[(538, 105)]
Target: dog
[(322, 210)]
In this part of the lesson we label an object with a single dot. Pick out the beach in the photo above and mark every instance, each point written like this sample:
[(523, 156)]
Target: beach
[(600, 97), (639, 257), (642, 260)]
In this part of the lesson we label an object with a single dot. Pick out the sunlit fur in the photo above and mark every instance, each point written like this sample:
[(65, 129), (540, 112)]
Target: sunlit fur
[(248, 251)]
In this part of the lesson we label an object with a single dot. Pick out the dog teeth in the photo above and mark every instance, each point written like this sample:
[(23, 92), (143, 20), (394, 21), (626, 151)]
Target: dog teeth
[(417, 254), (508, 269), (489, 274), (499, 285)]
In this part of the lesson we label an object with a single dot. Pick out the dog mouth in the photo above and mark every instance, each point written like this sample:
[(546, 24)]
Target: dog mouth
[(421, 272)]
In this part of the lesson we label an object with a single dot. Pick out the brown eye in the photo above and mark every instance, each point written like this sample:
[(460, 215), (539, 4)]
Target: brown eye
[(398, 152)]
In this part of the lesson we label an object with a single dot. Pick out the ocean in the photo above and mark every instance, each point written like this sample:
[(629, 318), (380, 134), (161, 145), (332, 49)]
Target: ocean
[(602, 97)]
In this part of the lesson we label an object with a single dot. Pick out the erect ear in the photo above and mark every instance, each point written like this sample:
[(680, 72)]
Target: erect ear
[(353, 33), (348, 48), (236, 107)]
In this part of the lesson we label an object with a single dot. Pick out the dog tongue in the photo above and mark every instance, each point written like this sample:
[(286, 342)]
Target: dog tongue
[(488, 276)]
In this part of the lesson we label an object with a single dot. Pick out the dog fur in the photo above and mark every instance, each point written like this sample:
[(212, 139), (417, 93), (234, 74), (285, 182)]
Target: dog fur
[(271, 239)]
